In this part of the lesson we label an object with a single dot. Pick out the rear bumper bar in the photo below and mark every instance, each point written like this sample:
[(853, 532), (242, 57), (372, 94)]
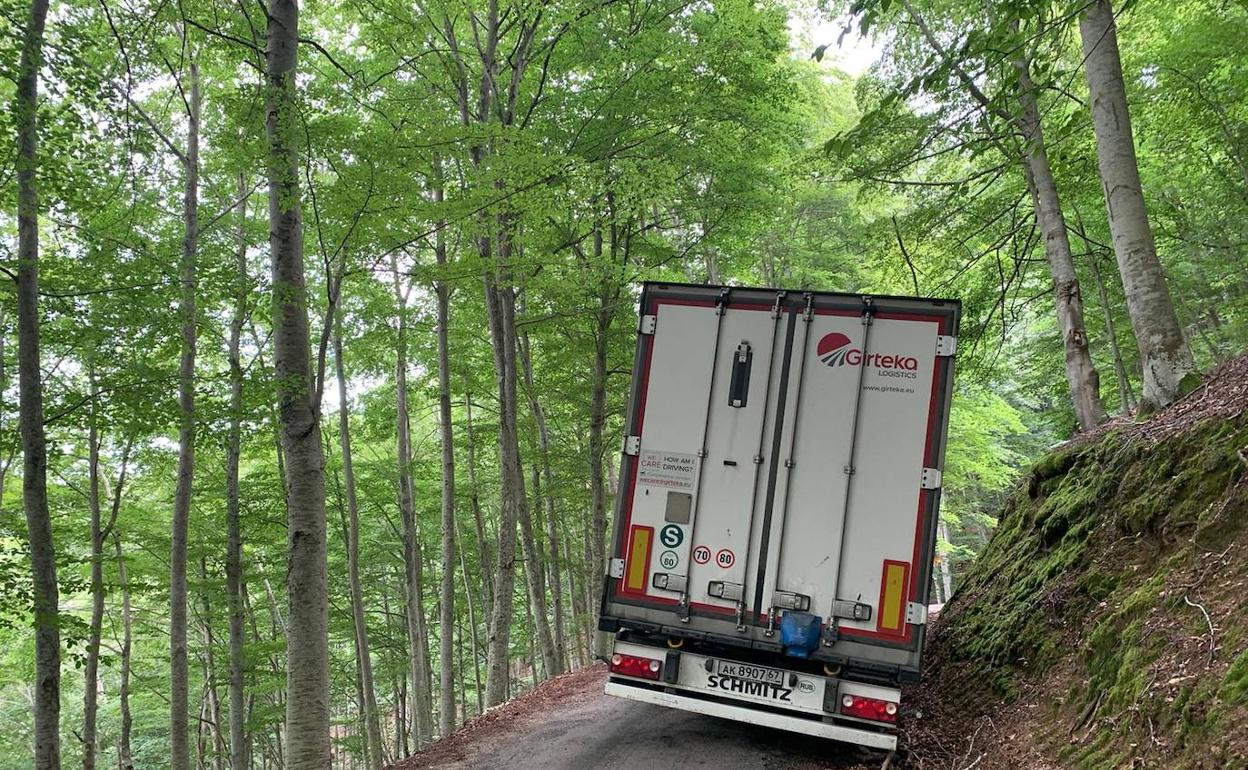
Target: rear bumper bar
[(796, 724)]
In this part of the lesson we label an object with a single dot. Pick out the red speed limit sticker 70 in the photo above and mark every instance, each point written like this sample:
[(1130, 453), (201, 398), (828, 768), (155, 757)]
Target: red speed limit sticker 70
[(701, 555), (725, 558)]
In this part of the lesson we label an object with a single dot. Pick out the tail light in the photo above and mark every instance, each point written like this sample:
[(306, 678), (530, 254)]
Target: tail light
[(632, 665), (868, 708)]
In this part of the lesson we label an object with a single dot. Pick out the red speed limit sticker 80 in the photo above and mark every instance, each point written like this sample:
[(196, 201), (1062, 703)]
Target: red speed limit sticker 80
[(725, 558)]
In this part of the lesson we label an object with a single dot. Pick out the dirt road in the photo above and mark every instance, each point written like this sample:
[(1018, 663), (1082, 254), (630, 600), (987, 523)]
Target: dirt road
[(569, 724)]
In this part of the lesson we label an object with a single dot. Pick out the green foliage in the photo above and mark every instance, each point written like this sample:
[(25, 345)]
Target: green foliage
[(663, 141)]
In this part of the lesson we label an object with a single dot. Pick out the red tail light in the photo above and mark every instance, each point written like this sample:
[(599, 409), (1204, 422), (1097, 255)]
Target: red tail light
[(631, 665), (868, 708)]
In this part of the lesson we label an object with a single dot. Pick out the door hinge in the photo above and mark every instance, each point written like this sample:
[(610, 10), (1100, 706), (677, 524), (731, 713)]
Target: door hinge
[(615, 568), (946, 345), (930, 479), (916, 613), (648, 324), (632, 445)]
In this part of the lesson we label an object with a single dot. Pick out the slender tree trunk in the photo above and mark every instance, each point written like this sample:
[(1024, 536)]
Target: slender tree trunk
[(179, 745), (7, 458), (1125, 396), (307, 638), (579, 610), (557, 659), (946, 571), (462, 716), (1081, 375), (598, 492), (213, 700), (446, 618), (500, 305), (90, 684), (124, 755), (99, 533), (474, 500), (1164, 353), (534, 576), (472, 626), (418, 635), (47, 741), (372, 722), (234, 537)]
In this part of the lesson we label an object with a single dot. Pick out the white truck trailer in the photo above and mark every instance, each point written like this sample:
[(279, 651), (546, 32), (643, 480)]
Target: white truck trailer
[(776, 519)]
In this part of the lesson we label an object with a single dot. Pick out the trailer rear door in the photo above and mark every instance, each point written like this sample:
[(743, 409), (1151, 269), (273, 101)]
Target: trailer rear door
[(783, 454)]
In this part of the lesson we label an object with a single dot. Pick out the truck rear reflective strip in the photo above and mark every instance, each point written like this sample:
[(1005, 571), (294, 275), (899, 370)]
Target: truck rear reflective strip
[(638, 559), (893, 590)]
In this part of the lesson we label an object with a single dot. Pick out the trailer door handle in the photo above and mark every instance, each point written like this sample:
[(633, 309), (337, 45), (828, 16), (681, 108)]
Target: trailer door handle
[(739, 385)]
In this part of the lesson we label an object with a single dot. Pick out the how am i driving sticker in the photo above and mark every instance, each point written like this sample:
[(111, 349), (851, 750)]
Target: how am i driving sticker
[(669, 470)]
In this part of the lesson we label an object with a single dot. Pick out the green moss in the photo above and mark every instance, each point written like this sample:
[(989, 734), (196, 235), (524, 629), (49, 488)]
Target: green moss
[(1234, 689), (1175, 482), (1191, 381), (1059, 580)]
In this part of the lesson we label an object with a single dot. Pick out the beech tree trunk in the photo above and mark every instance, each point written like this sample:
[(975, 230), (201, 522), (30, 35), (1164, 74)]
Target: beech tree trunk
[(558, 657), (418, 635), (179, 739), (1125, 397), (47, 686), (1081, 375), (307, 636), (1164, 353), (446, 614), (372, 722), (210, 701), (100, 532), (124, 756), (90, 683), (500, 306), (946, 570), (598, 492), (472, 628), (234, 536), (478, 518)]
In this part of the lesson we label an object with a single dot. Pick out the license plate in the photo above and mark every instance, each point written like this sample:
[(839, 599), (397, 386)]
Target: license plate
[(749, 672)]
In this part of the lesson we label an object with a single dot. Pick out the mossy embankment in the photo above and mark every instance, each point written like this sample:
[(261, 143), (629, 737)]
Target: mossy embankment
[(1106, 624)]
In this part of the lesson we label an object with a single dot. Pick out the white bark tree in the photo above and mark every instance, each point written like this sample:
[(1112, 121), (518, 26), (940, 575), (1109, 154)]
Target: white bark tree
[(47, 740), (307, 632), (1164, 353)]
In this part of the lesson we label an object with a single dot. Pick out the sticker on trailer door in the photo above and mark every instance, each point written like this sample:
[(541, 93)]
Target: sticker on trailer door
[(669, 470), (725, 558), (672, 536), (701, 555)]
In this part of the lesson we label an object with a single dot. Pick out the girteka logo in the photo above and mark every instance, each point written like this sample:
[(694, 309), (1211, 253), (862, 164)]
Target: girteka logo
[(834, 350)]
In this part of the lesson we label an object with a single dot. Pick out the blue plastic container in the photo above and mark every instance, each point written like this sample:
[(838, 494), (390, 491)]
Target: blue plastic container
[(799, 633)]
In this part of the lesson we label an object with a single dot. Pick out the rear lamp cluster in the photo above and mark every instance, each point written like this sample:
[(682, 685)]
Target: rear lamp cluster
[(632, 665), (868, 708)]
